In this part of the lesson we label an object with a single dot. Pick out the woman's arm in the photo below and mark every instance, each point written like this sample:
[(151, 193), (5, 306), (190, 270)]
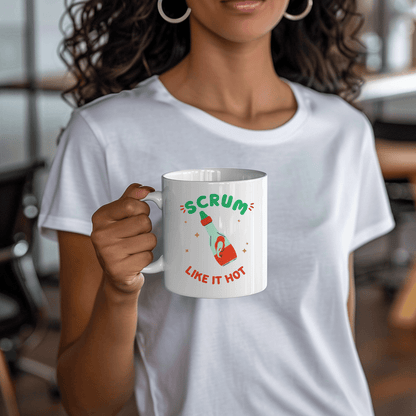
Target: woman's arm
[(100, 283), (96, 351), (351, 294)]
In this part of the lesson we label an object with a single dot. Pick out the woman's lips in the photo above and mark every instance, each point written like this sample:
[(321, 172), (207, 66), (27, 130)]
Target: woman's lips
[(244, 6)]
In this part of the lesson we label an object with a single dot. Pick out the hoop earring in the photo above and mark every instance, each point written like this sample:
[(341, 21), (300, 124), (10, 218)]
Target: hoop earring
[(302, 15), (170, 20)]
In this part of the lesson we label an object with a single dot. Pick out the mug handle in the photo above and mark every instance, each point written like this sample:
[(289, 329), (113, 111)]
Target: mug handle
[(158, 265)]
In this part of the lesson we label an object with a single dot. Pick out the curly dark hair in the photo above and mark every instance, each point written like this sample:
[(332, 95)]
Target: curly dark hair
[(115, 44)]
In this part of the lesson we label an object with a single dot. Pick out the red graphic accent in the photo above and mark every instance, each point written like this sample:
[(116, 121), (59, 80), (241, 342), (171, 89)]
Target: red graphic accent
[(183, 209), (220, 239), (251, 207), (206, 221), (227, 254)]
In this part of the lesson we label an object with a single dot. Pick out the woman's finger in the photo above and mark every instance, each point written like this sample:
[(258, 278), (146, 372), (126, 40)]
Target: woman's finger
[(137, 244), (137, 191), (130, 227), (126, 269)]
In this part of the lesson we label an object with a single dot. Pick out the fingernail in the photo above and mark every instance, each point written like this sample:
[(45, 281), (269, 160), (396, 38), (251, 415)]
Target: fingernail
[(149, 188), (141, 193)]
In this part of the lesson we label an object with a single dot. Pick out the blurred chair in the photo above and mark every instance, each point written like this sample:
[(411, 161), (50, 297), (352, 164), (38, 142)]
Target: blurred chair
[(398, 163), (23, 305)]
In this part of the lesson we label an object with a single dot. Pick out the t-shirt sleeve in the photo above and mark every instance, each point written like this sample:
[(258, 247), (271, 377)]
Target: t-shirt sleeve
[(77, 184), (373, 216)]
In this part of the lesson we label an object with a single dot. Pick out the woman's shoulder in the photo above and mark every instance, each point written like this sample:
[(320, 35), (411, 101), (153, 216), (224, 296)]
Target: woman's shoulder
[(126, 102), (330, 106), (111, 114)]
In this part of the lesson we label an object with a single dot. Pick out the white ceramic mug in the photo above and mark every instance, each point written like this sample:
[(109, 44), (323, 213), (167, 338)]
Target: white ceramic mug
[(214, 232)]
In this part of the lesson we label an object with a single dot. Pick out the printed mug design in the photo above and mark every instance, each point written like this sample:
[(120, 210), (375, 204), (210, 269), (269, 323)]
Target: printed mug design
[(229, 258), (213, 200), (223, 251)]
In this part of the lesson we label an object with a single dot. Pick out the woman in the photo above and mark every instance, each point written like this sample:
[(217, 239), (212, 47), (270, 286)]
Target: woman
[(228, 85)]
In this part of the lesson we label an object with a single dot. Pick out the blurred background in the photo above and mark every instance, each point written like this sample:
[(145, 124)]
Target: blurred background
[(32, 114)]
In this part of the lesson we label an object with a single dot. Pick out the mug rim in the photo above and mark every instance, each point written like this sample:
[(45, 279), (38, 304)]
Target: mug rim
[(257, 175)]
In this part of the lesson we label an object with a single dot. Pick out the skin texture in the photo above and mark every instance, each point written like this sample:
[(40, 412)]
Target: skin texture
[(100, 284), (351, 295), (228, 73)]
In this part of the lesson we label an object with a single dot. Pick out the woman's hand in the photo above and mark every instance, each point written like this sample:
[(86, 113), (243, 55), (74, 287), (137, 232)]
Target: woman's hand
[(122, 239)]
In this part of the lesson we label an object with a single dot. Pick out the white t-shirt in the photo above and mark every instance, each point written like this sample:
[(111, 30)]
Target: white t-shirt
[(288, 350)]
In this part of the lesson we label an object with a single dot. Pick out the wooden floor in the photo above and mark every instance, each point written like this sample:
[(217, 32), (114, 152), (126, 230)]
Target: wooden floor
[(388, 357)]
